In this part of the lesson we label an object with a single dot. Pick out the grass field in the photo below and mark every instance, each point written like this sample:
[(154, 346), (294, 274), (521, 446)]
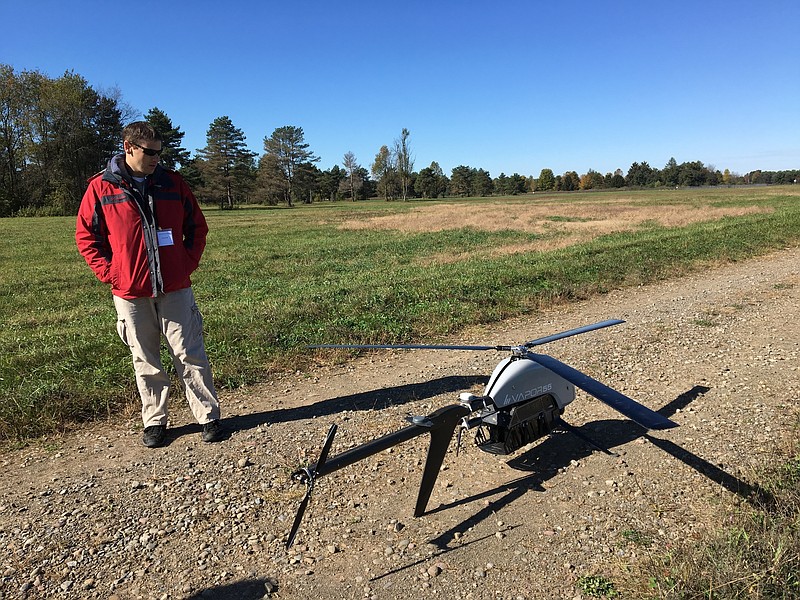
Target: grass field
[(275, 279)]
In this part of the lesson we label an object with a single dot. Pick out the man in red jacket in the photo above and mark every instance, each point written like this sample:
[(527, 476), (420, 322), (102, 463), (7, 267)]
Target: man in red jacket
[(141, 231)]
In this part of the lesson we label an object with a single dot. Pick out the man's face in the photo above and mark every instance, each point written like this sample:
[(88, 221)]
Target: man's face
[(138, 159)]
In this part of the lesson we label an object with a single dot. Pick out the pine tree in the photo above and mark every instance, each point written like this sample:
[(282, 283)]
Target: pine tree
[(227, 166), (286, 151), (171, 138)]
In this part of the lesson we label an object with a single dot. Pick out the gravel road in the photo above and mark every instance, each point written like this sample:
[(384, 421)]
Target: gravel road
[(94, 514)]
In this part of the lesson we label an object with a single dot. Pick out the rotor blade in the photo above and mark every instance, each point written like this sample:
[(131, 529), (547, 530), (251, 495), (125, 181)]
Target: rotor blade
[(649, 419), (408, 347), (298, 518), (536, 342), (311, 475), (326, 448), (571, 332)]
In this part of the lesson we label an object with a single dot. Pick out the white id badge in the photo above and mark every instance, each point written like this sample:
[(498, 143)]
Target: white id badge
[(165, 237)]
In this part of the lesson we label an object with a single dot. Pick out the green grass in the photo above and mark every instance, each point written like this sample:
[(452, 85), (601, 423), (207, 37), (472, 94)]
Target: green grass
[(755, 554), (596, 586), (273, 280)]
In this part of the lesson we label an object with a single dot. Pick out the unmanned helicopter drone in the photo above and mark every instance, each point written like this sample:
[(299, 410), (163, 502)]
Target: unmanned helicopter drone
[(522, 402)]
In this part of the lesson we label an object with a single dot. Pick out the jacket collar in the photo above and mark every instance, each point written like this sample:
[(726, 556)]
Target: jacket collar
[(116, 172)]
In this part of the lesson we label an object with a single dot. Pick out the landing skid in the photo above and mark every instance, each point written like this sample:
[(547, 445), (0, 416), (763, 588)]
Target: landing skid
[(441, 425)]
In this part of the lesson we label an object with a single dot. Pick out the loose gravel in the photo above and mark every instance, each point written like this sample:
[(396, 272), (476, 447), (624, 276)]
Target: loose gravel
[(94, 514)]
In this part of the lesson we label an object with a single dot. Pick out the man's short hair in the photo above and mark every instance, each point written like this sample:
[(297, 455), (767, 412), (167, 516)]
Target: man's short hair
[(140, 131)]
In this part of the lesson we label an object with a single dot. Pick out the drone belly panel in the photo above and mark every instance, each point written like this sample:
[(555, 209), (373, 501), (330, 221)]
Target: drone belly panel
[(517, 380)]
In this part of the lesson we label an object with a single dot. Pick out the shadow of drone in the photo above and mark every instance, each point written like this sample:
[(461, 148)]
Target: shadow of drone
[(371, 400), (250, 589), (557, 451)]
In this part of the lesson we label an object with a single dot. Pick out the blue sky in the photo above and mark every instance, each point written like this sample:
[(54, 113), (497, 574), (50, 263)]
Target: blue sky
[(507, 86)]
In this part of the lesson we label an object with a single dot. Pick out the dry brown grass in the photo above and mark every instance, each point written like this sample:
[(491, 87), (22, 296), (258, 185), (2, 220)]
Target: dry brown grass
[(560, 224)]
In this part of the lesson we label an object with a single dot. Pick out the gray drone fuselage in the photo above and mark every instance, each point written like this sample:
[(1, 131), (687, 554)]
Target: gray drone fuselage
[(517, 379), (522, 402)]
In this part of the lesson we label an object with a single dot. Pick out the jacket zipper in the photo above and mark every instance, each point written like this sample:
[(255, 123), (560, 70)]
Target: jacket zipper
[(150, 236)]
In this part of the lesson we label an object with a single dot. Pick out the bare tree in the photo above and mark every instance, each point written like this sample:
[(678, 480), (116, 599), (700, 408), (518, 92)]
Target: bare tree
[(353, 177), (404, 161)]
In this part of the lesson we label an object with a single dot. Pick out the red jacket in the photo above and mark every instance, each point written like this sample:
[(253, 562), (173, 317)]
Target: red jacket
[(138, 253)]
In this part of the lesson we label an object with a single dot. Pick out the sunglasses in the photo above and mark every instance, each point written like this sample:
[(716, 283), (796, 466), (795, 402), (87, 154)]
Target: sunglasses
[(148, 151)]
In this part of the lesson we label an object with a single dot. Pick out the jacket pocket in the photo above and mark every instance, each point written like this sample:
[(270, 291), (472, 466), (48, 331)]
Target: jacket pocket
[(191, 264), (113, 276)]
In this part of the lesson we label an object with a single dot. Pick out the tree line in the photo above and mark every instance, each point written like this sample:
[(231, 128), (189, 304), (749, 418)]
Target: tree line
[(57, 132)]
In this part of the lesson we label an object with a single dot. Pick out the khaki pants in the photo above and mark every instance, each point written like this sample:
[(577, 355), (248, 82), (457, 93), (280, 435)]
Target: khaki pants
[(141, 323)]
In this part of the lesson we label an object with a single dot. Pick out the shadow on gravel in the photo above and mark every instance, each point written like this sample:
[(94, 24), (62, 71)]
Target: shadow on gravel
[(250, 589), (371, 400), (559, 449)]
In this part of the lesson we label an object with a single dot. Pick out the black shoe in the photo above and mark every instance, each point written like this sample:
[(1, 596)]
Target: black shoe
[(154, 436), (212, 431)]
